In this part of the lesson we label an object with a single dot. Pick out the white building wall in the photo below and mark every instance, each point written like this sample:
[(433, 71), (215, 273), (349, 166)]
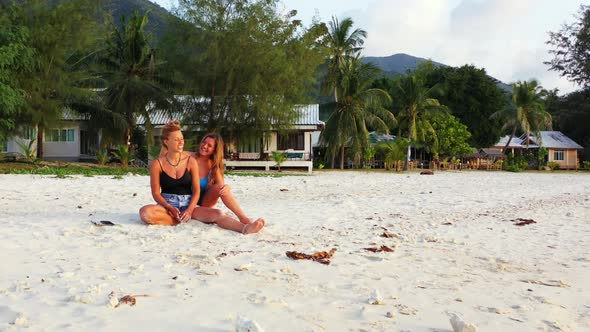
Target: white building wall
[(63, 150)]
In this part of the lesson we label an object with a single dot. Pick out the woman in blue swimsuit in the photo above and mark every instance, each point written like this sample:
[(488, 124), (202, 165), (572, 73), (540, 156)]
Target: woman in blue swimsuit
[(210, 160), (176, 187)]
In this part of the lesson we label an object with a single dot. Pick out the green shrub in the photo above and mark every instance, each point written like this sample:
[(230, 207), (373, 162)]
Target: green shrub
[(586, 165), (553, 165), (28, 150), (102, 157), (279, 158), (515, 163)]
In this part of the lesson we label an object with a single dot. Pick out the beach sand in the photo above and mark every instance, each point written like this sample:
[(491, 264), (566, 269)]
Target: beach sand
[(457, 251)]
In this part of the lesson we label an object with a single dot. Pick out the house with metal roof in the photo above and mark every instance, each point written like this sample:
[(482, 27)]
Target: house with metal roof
[(297, 143), (561, 149), (71, 139)]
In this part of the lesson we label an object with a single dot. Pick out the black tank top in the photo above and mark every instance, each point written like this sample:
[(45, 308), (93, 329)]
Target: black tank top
[(180, 186)]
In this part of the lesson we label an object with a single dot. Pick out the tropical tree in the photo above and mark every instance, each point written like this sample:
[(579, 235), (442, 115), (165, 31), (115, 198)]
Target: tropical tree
[(248, 64), (359, 106), (571, 49), (133, 86), (393, 151), (342, 43), (16, 56), (451, 137), (415, 103), (526, 112), (471, 96), (59, 33)]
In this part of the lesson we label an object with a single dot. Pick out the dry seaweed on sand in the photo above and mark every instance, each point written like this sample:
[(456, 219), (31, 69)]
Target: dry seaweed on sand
[(320, 256), (523, 222), (383, 248)]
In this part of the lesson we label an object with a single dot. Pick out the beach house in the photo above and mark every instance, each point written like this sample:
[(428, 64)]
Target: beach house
[(297, 143), (561, 149), (71, 139)]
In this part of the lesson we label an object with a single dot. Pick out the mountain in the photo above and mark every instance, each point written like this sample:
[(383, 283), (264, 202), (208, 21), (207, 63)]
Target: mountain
[(399, 64), (158, 17)]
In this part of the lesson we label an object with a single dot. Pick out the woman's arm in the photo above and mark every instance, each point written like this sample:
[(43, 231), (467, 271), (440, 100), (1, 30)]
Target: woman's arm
[(193, 166), (218, 177)]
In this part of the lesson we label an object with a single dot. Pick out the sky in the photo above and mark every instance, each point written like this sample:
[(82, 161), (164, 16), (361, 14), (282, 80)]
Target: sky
[(505, 37)]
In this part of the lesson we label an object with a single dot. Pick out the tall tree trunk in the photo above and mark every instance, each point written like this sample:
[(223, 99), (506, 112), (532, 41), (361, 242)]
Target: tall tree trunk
[(40, 132), (333, 159), (342, 157), (408, 154), (510, 139)]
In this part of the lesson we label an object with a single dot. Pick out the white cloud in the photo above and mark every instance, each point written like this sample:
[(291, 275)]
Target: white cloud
[(505, 37)]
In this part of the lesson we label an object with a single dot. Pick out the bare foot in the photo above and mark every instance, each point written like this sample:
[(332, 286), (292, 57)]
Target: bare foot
[(254, 227)]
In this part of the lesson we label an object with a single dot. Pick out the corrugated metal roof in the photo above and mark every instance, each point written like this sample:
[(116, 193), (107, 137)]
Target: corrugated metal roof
[(557, 140), (308, 115), (516, 143), (549, 139)]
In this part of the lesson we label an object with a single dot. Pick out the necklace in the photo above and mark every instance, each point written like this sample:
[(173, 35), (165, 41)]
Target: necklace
[(169, 162)]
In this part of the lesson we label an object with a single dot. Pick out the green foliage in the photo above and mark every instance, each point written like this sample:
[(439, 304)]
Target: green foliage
[(471, 96), (369, 155), (16, 58), (526, 112), (102, 157), (553, 165), (450, 136), (343, 43), (571, 115), (123, 154), (61, 171), (415, 104), (359, 107), (542, 157), (586, 164), (131, 74), (279, 158), (61, 34), (571, 45), (28, 150), (515, 163), (250, 64), (392, 151)]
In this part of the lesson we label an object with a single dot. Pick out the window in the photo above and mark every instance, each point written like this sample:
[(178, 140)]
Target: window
[(29, 133), (293, 141), (4, 146), (60, 135), (558, 155)]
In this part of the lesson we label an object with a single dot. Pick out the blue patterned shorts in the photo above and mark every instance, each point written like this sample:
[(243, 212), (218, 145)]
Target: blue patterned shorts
[(178, 201)]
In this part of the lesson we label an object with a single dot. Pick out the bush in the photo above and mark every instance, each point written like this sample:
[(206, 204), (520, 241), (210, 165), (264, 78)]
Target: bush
[(553, 165), (586, 164), (515, 163)]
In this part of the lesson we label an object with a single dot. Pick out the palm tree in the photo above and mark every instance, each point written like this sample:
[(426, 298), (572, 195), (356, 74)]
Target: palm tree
[(342, 44), (359, 106), (416, 103), (526, 112), (132, 83)]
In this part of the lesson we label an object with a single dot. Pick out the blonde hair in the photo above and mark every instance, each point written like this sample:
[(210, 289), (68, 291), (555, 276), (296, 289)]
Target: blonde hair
[(217, 156), (169, 127)]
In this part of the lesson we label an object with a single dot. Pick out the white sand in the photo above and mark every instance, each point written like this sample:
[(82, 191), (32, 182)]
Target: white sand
[(57, 269)]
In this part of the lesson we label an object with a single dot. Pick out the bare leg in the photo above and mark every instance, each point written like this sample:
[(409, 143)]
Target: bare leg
[(156, 215), (222, 220), (214, 192)]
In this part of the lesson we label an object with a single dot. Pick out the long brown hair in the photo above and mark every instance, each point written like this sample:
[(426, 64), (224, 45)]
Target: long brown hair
[(169, 127), (217, 156)]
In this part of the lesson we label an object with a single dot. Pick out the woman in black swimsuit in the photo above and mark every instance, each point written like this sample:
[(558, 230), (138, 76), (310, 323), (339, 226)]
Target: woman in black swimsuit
[(174, 181)]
